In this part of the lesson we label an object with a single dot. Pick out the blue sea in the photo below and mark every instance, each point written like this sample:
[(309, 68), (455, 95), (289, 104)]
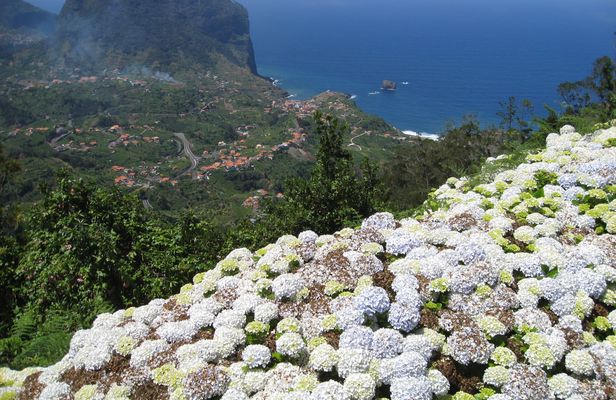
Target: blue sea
[(459, 57)]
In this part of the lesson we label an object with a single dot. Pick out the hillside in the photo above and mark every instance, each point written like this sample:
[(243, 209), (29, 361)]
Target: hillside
[(96, 35), (162, 99), (504, 291), (17, 15)]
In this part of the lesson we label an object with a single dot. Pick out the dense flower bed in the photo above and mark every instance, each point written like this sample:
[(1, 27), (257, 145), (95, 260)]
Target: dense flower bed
[(506, 291)]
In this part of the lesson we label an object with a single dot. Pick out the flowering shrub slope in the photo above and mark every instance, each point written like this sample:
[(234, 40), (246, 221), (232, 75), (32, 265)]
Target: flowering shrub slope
[(506, 291)]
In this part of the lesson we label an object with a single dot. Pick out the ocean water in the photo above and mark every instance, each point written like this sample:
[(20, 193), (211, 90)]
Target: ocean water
[(458, 56)]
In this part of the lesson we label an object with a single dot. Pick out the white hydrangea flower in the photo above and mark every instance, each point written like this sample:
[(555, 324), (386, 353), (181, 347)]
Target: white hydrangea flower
[(503, 356), (330, 390), (525, 234), (496, 376), (419, 344), (539, 355), (256, 356), (387, 343), (580, 362), (177, 331), (563, 386), (379, 221), (357, 337), (372, 300), (287, 285), (352, 361), (401, 241), (228, 339), (290, 344), (56, 391), (266, 312), (234, 394), (411, 388), (439, 383), (323, 358), (491, 326), (403, 318), (145, 351), (405, 365), (360, 386)]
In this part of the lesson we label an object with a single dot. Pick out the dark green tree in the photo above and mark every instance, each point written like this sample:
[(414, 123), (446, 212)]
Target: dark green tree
[(508, 112), (8, 168), (9, 251), (337, 192)]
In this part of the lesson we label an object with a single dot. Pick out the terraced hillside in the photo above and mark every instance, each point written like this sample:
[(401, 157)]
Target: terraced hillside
[(122, 129), (504, 291)]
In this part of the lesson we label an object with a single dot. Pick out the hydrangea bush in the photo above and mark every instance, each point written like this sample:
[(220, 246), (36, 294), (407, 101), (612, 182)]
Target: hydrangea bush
[(505, 292)]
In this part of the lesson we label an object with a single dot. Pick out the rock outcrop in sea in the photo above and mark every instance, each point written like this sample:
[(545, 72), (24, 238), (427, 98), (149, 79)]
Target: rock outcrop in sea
[(505, 290), (388, 85)]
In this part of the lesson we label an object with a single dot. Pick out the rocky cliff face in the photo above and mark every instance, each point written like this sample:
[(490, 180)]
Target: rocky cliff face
[(170, 34), (507, 288)]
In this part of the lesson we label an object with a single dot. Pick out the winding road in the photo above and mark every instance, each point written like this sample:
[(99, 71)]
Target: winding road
[(355, 137), (194, 160)]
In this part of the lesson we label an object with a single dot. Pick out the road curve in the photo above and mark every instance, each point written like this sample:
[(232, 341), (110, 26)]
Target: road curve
[(194, 160)]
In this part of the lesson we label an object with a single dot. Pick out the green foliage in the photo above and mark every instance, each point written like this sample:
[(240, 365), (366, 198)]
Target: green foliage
[(89, 250), (335, 195), (8, 168), (600, 85), (417, 168)]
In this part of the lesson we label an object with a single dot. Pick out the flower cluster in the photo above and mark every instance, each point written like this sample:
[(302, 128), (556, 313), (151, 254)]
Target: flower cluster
[(514, 279)]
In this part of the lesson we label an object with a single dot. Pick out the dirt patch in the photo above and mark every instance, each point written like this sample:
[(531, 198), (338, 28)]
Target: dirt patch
[(551, 315), (385, 279), (429, 319), (467, 379), (462, 222), (32, 388), (149, 391), (113, 372), (270, 342), (317, 301), (180, 311), (333, 339), (516, 346), (574, 339), (600, 310), (206, 383), (506, 317), (78, 378), (226, 297)]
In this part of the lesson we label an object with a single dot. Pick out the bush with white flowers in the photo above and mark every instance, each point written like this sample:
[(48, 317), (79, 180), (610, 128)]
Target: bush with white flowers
[(513, 280)]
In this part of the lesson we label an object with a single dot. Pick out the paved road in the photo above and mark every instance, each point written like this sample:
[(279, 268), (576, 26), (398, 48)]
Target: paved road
[(355, 137), (147, 204), (194, 160)]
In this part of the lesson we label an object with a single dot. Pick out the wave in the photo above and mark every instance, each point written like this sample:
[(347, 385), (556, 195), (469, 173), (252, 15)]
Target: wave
[(353, 97), (372, 93), (291, 96), (424, 135)]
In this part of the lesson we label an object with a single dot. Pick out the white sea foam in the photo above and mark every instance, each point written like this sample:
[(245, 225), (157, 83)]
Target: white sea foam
[(423, 135), (372, 93), (353, 97)]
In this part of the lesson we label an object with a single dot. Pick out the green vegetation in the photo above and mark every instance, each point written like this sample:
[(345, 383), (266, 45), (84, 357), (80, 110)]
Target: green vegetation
[(79, 245)]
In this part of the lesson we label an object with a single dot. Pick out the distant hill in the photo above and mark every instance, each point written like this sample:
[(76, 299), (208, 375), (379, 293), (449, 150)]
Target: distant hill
[(169, 34), (17, 15)]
